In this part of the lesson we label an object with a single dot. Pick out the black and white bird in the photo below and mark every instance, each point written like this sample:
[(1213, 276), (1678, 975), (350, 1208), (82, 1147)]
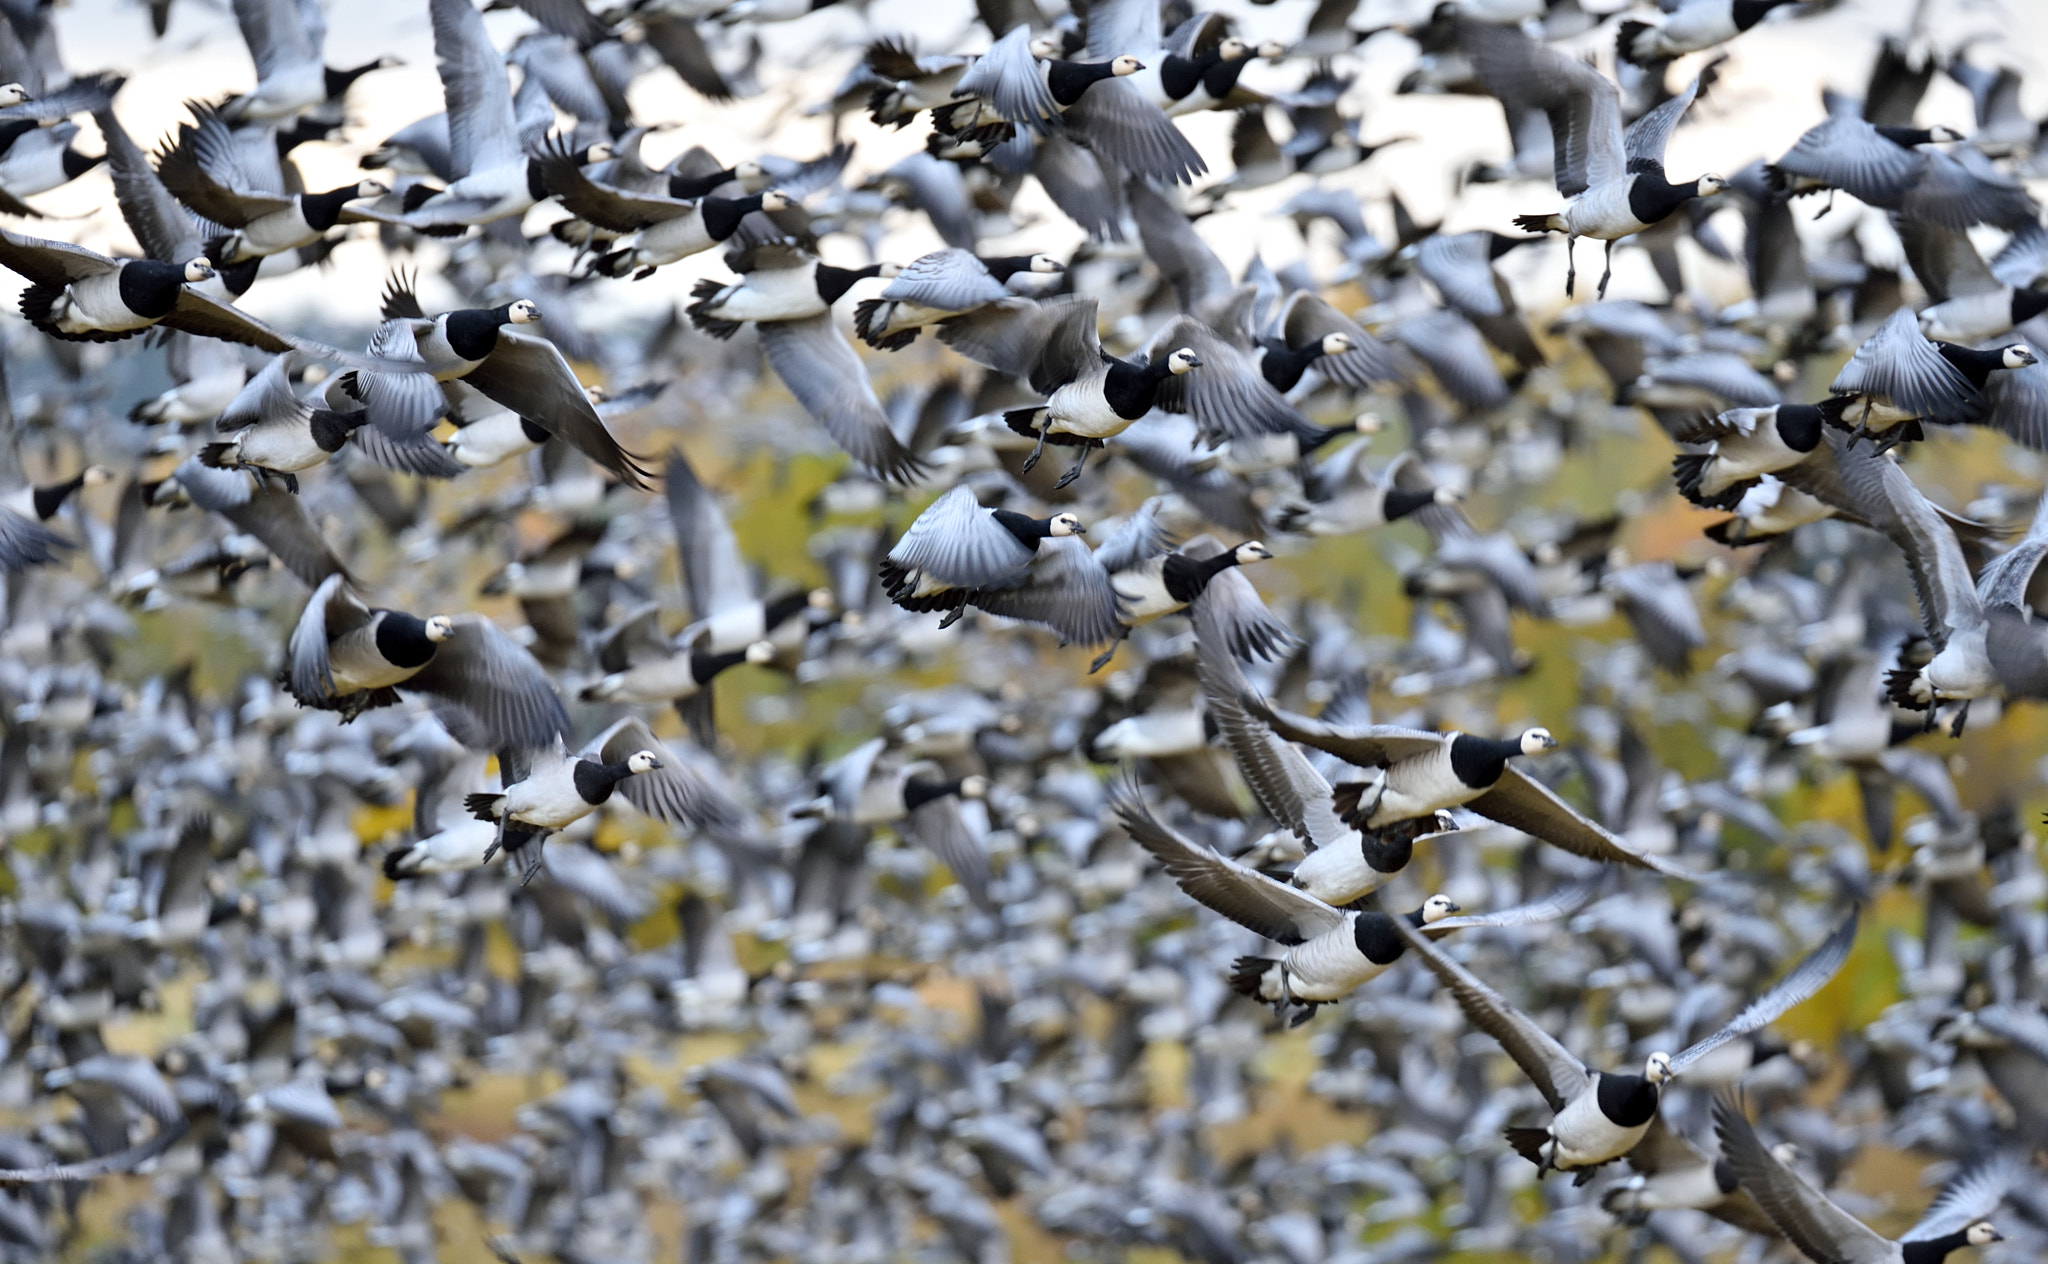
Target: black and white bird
[(1895, 167), (349, 657), (1687, 26), (1599, 1116), (641, 664), (269, 427), (1742, 445), (203, 169), (1615, 181), (83, 296), (1898, 379), (727, 611), (1826, 1234), (1090, 395), (653, 230), (1425, 773), (778, 281), (1971, 303), (24, 509), (933, 287), (1331, 952)]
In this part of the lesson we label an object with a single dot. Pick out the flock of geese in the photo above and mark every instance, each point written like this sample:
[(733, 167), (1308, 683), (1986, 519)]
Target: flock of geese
[(362, 760)]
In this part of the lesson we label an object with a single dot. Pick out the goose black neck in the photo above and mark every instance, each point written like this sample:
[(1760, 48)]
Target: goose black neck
[(1377, 941), (1975, 365), (77, 164), (302, 131), (1220, 79), (1283, 365), (2027, 304), (332, 429), (536, 177), (13, 130), (1003, 267), (473, 332), (1027, 529), (50, 497), (535, 433), (1800, 426), (1627, 1100), (918, 791), (1498, 244), (340, 81), (595, 782), (1186, 578), (1179, 76), (1725, 1179), (1386, 854), (1907, 137), (1400, 503), (722, 216), (1651, 197), (236, 278), (1130, 388), (1480, 761), (833, 283), (1067, 80), (402, 639), (322, 211), (688, 187), (149, 288), (1747, 13), (1934, 1250), (784, 608), (704, 667)]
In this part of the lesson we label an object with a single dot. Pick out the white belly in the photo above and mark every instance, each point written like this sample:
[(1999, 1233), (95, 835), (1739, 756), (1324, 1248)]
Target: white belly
[(286, 448), (1420, 785), (670, 240), (1079, 408), (496, 438), (1738, 460), (273, 234), (1329, 967), (665, 681), (95, 303), (787, 294), (1145, 595), (1338, 874), (551, 803), (1584, 1137), (356, 666), (1602, 212), (1969, 319)]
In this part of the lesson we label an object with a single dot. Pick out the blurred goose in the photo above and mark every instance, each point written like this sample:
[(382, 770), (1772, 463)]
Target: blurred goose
[(1600, 1116), (936, 286), (1615, 181), (202, 168), (81, 296), (271, 428), (1970, 303), (25, 507), (728, 613), (1744, 444), (653, 230), (1687, 26), (1892, 167), (1898, 378)]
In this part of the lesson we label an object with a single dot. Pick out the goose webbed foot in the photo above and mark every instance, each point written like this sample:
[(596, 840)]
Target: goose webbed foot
[(1608, 274), (1074, 473), (291, 483), (1822, 213), (1037, 449), (1584, 1176), (1307, 1011), (953, 616), (1955, 728), (1102, 659)]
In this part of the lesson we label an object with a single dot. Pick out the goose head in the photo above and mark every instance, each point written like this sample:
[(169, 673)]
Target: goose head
[(642, 761), (440, 628), (370, 189), (1182, 361), (1983, 1233), (96, 476), (1708, 185), (974, 786), (1941, 135), (1233, 49), (1125, 66), (761, 652), (1047, 48), (523, 312), (1065, 524), (1336, 343), (1046, 264), (1658, 1069), (1536, 741), (1436, 908), (12, 94), (2018, 356), (1251, 551), (747, 171), (1368, 423), (776, 200), (199, 269)]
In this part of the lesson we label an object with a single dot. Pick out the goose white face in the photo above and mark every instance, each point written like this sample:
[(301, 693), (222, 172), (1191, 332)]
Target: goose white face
[(642, 761), (96, 475), (748, 170), (820, 599), (1658, 1069), (370, 189), (1272, 49), (599, 152), (761, 652), (1368, 423), (1336, 343), (888, 271), (776, 200), (974, 786), (1124, 66), (1233, 50), (1046, 47), (440, 628), (197, 270), (524, 312), (12, 94), (1046, 263), (2018, 356), (1982, 1234), (1252, 551), (1536, 741), (1709, 185), (1436, 908), (1183, 361), (1065, 524), (1941, 135), (1445, 496)]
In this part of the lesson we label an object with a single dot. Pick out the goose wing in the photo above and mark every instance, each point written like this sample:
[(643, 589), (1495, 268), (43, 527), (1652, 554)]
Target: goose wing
[(1244, 895), (1120, 27), (677, 41), (1800, 983), (1457, 354), (1200, 281), (1118, 121), (333, 610), (51, 263), (1286, 785), (686, 790), (1521, 802), (203, 169), (271, 514), (483, 131), (959, 543), (196, 313), (1957, 190), (1898, 363), (1583, 105), (1237, 616), (1941, 574), (275, 31), (1943, 259), (2016, 401), (530, 376), (1008, 78), (160, 223), (268, 396), (1460, 265), (1308, 319), (2005, 579), (614, 210), (498, 682), (823, 371), (940, 827), (1558, 905), (951, 280), (1227, 396), (1557, 1075), (1849, 154), (1972, 1194), (1374, 746), (715, 576), (1821, 1230), (1647, 136), (1064, 589)]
